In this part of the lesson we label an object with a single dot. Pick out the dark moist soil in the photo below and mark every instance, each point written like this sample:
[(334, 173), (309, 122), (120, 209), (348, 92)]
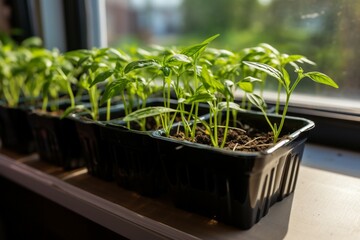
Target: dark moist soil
[(245, 139)]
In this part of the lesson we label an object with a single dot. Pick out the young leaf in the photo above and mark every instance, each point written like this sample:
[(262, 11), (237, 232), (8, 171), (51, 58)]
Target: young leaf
[(194, 49), (82, 60), (286, 78), (141, 64), (228, 84), (269, 47), (32, 42), (147, 112), (246, 86), (209, 81), (321, 78), (114, 88), (200, 96), (265, 68), (290, 58), (178, 59), (256, 100), (119, 55), (210, 39), (102, 77), (198, 48), (222, 105)]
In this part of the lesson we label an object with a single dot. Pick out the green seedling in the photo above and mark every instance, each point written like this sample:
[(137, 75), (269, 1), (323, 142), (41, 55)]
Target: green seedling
[(289, 87)]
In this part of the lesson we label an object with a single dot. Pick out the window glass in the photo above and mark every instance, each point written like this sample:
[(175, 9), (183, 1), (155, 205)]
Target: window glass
[(325, 31)]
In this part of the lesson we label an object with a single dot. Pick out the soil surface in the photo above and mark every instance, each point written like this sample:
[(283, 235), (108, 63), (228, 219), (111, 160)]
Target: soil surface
[(245, 138)]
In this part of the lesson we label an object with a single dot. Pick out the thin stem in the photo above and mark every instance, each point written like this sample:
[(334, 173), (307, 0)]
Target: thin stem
[(216, 140), (226, 124), (277, 106), (71, 95), (45, 103), (268, 121), (276, 136), (193, 131), (68, 86), (126, 109), (108, 109), (288, 94), (187, 128)]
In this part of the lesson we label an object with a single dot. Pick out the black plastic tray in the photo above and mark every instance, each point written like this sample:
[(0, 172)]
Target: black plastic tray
[(236, 188)]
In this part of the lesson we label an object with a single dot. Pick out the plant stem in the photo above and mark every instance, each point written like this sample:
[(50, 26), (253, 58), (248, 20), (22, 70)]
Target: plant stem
[(71, 95), (108, 109), (193, 131), (45, 103), (125, 108), (288, 94), (277, 106), (226, 124), (282, 118), (93, 101), (216, 142), (184, 120)]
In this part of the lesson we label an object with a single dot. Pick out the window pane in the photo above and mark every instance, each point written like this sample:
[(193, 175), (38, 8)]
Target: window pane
[(325, 31)]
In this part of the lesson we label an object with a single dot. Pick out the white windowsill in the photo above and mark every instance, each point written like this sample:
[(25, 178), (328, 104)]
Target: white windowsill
[(325, 204)]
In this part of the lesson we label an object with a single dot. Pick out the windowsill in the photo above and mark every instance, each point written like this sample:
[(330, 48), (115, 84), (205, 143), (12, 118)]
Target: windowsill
[(324, 206), (332, 160)]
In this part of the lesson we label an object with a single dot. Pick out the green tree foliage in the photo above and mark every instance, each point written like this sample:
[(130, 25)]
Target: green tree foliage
[(325, 31), (212, 16)]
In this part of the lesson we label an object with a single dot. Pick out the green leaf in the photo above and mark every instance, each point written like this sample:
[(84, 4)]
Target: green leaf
[(269, 47), (197, 49), (82, 60), (144, 53), (246, 86), (200, 97), (194, 49), (210, 39), (228, 84), (102, 77), (256, 100), (77, 53), (119, 55), (96, 65), (32, 42), (321, 78), (114, 88), (147, 112), (222, 105), (286, 78), (265, 68), (209, 81), (295, 58), (141, 64), (178, 59)]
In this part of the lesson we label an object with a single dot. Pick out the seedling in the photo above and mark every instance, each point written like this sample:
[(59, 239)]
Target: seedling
[(15, 72), (289, 87)]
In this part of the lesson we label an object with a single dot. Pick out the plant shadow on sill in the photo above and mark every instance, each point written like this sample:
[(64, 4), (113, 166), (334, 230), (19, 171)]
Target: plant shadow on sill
[(345, 162)]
